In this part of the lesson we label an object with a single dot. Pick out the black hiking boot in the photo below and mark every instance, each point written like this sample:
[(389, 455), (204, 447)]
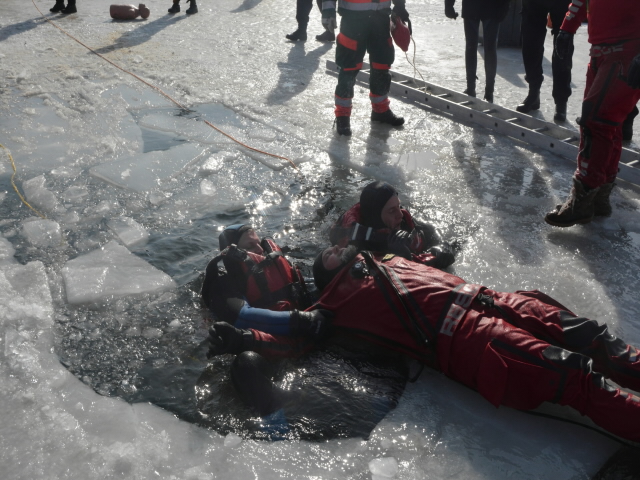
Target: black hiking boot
[(471, 91), (387, 117), (193, 8), (58, 7), (343, 126), (175, 8), (326, 36), (488, 93), (70, 8), (561, 112), (532, 102), (299, 34)]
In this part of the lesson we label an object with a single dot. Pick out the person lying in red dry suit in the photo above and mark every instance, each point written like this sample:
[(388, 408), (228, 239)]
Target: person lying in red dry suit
[(257, 287), (379, 223), (516, 349)]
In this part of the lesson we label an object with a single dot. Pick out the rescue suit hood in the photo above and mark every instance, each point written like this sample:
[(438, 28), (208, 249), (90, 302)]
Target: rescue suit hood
[(231, 235), (372, 200)]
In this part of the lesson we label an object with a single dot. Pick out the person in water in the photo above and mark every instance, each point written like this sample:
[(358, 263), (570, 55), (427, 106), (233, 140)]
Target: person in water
[(379, 223), (516, 349), (252, 284)]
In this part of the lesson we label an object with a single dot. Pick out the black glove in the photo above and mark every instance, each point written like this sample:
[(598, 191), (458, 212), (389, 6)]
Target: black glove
[(443, 254), (399, 243), (225, 338), (563, 45), (400, 11), (633, 77), (449, 11), (315, 323)]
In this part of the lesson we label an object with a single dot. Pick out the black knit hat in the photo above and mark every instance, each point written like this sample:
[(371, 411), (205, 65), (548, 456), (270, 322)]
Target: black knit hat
[(321, 276), (232, 234), (372, 200)]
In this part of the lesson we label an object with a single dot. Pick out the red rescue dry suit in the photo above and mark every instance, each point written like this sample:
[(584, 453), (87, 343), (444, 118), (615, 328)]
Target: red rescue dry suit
[(348, 229), (614, 33), (516, 349)]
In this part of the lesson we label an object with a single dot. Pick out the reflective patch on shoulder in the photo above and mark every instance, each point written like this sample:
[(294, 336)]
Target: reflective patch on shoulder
[(388, 257)]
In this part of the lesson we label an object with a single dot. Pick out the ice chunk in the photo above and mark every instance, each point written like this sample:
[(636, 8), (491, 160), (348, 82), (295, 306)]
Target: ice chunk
[(383, 468), (6, 252), (232, 440), (42, 233), (25, 296), (128, 231), (39, 196), (76, 194), (147, 171), (111, 271)]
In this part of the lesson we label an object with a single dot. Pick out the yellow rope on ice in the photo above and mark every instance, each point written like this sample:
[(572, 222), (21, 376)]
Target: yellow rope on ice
[(15, 187), (162, 92)]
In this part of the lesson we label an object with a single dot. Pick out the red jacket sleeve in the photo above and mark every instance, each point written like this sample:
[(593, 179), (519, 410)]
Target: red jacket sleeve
[(576, 14), (277, 346)]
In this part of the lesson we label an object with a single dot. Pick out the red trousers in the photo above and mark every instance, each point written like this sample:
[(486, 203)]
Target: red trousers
[(608, 99), (537, 351)]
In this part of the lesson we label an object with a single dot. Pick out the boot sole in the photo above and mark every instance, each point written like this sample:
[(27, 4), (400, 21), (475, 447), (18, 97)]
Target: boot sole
[(528, 109), (582, 221)]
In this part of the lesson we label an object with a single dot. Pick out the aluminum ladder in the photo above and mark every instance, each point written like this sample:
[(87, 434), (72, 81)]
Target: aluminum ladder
[(519, 126)]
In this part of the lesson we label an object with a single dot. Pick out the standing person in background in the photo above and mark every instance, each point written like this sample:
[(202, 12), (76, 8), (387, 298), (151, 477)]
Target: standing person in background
[(329, 22), (303, 9), (365, 27), (490, 13), (535, 15), (59, 7), (193, 8), (610, 95)]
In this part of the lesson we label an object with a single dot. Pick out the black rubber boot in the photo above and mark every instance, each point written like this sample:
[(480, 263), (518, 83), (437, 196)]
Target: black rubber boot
[(627, 125), (470, 90), (326, 36), (58, 7), (532, 102), (488, 92), (299, 35), (601, 203), (193, 8), (387, 117), (175, 8), (343, 126), (70, 8), (578, 208), (561, 112)]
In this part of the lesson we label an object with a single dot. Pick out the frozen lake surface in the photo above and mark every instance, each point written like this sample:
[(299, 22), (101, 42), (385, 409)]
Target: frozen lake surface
[(135, 191)]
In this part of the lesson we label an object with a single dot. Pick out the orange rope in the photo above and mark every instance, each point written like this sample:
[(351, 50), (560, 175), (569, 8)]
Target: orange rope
[(162, 92)]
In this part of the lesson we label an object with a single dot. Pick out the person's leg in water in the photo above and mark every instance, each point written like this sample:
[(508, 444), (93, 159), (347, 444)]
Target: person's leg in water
[(252, 375)]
